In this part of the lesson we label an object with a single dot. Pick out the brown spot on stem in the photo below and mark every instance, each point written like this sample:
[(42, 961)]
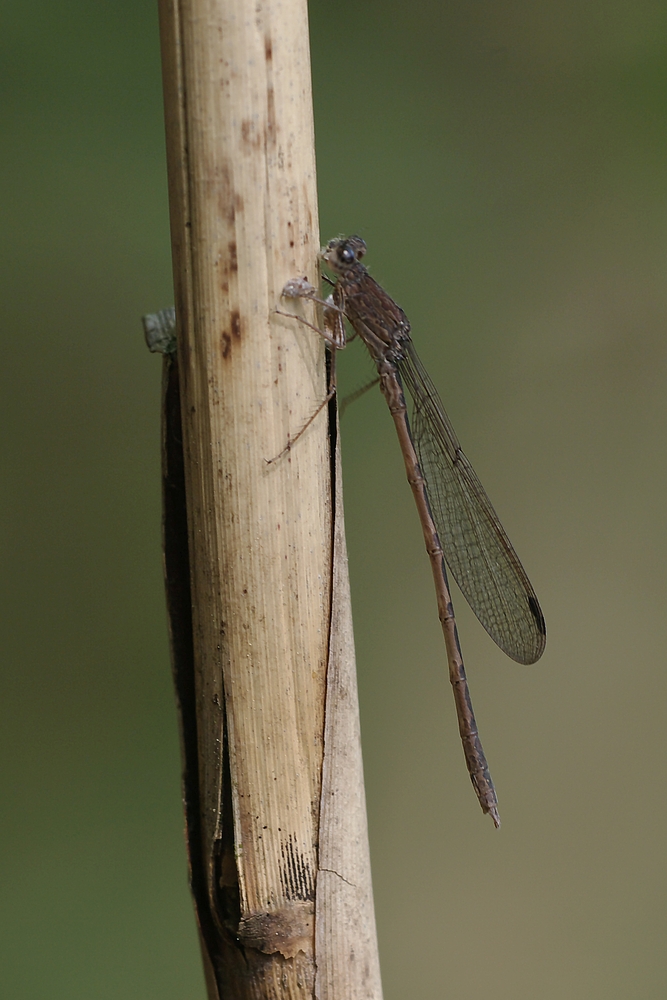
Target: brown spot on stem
[(249, 133), (226, 194), (233, 259), (271, 127)]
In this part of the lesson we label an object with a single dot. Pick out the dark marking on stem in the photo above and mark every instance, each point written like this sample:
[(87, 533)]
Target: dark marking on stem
[(226, 197), (271, 125), (296, 875), (233, 258), (249, 133)]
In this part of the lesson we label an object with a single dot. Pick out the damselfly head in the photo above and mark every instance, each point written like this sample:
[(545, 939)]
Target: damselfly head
[(343, 253)]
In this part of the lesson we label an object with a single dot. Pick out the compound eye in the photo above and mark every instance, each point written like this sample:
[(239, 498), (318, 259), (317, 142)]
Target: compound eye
[(347, 255)]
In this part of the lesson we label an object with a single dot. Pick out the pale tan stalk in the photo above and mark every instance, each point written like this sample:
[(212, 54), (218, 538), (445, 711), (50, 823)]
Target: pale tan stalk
[(244, 220)]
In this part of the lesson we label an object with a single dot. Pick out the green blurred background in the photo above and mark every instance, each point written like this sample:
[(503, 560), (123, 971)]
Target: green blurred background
[(506, 165)]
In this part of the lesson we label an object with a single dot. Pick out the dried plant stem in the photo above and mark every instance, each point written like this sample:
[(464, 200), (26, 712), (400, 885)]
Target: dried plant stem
[(261, 536)]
